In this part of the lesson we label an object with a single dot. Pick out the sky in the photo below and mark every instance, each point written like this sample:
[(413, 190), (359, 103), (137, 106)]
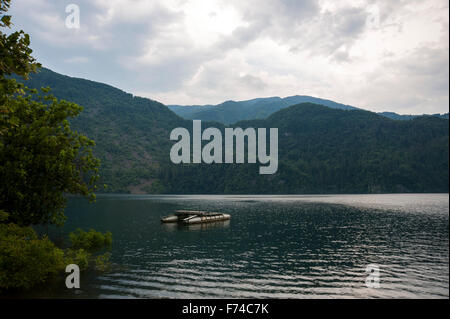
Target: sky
[(376, 55)]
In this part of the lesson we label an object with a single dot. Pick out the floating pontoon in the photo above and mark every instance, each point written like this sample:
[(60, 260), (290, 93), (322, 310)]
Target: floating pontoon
[(194, 217)]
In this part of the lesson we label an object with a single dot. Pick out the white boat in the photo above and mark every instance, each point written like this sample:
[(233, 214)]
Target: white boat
[(194, 217)]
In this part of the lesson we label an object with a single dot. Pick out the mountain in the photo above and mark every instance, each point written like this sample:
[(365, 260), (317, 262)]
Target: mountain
[(131, 133), (231, 112), (321, 149)]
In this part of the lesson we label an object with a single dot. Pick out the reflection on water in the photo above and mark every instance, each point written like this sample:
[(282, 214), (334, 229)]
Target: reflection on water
[(273, 246), (195, 227)]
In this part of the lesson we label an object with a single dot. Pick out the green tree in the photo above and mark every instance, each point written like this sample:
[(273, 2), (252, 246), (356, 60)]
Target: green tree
[(41, 158), (26, 260), (15, 55)]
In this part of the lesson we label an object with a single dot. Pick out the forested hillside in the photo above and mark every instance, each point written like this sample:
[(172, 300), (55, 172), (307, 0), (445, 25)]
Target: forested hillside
[(131, 133), (321, 150)]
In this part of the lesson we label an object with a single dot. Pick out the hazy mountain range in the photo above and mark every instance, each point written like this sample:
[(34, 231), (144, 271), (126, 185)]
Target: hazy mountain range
[(325, 147), (231, 111)]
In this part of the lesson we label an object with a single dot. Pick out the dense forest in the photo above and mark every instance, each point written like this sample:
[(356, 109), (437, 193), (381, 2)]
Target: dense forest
[(131, 133), (321, 150)]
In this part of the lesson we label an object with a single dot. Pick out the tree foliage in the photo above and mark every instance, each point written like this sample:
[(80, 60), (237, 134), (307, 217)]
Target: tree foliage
[(25, 259), (41, 157), (15, 55), (89, 240)]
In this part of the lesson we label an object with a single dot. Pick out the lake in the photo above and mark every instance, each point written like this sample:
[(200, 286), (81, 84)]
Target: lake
[(273, 247)]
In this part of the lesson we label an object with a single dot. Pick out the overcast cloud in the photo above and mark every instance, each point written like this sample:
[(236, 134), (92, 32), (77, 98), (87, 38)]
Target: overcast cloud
[(377, 55)]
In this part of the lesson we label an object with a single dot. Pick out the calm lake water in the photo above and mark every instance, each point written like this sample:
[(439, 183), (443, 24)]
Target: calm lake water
[(273, 247)]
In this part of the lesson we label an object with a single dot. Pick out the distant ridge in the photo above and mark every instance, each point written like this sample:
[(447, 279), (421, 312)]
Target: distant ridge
[(396, 116), (230, 112)]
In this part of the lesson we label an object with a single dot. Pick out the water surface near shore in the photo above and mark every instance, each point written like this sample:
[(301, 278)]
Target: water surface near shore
[(289, 246)]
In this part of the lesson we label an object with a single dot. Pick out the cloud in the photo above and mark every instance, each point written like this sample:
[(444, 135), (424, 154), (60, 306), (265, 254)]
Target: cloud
[(379, 55), (415, 82), (77, 60)]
